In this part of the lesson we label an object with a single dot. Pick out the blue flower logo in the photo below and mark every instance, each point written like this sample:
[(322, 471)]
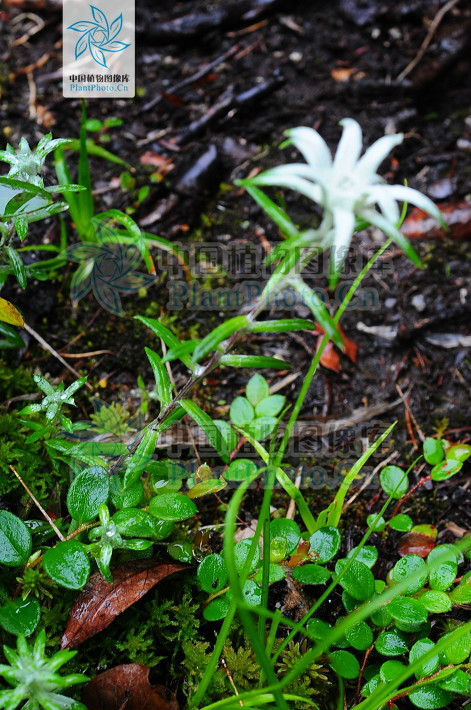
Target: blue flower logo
[(99, 36), (107, 269)]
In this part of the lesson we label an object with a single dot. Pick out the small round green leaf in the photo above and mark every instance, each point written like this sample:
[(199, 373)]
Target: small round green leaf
[(459, 452), (371, 685), (67, 564), (445, 553), (368, 555), (311, 574), (20, 617), (270, 406), (181, 551), (401, 522), (410, 612), (419, 649), (217, 608), (212, 574), (261, 428), (410, 566), (390, 669), (430, 697), (240, 470), (241, 553), (457, 651), (345, 664), (128, 498), (172, 507), (275, 574), (241, 412), (360, 636), (324, 543), (394, 481), (257, 389), (458, 682), (318, 629), (358, 580), (391, 643), (446, 469), (15, 540), (461, 594), (288, 530), (437, 602), (135, 522), (443, 576), (163, 528), (433, 451), (376, 521), (87, 492)]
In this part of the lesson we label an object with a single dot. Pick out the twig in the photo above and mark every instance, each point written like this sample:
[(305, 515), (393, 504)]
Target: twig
[(431, 31), (231, 680), (90, 354), (408, 409), (195, 77), (38, 505), (53, 352)]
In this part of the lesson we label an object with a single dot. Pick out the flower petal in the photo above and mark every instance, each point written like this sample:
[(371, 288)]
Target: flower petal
[(376, 153), (344, 222), (392, 231), (408, 194), (312, 146), (379, 194), (349, 147), (285, 178)]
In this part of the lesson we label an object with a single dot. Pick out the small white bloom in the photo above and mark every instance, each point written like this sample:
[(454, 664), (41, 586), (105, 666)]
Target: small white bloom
[(347, 186)]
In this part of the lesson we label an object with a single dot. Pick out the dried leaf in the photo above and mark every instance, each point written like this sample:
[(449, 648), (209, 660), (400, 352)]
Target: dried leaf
[(330, 358), (414, 543), (128, 687), (457, 216), (100, 602), (9, 314), (342, 73)]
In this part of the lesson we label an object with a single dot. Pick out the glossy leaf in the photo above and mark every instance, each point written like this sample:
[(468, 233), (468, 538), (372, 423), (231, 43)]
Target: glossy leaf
[(419, 649), (445, 470), (437, 602), (408, 566), (358, 580), (376, 521), (217, 609), (458, 682), (20, 617), (100, 602), (368, 555), (128, 498), (391, 643), (212, 574), (141, 458), (443, 576), (240, 470), (390, 669), (67, 564), (345, 664), (410, 612), (324, 543), (181, 551), (459, 452), (430, 697), (172, 507), (414, 543), (15, 540), (87, 492), (311, 574), (241, 555), (461, 594), (360, 636), (287, 530), (162, 380), (17, 263), (135, 522), (433, 451), (394, 481)]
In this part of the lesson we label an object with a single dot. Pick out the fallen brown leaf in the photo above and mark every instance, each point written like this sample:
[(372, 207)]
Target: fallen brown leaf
[(330, 358), (456, 215), (413, 543), (100, 602), (128, 687)]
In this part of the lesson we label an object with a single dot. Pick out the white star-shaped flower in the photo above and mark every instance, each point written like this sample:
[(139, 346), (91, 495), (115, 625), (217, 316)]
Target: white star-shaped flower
[(347, 187)]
